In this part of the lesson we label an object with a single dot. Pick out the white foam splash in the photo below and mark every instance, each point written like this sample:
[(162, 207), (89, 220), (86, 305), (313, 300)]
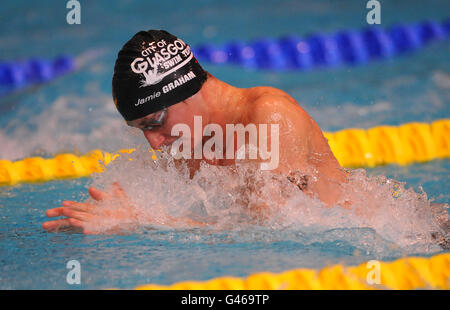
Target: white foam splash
[(384, 216), (69, 124)]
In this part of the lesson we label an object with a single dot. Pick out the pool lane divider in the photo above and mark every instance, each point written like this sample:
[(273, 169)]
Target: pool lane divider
[(318, 50), (16, 75), (62, 166), (402, 274), (380, 145)]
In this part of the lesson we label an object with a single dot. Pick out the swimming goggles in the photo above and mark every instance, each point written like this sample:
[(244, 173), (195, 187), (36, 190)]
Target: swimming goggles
[(148, 122)]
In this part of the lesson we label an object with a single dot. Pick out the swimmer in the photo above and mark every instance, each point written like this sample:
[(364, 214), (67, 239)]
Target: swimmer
[(158, 83)]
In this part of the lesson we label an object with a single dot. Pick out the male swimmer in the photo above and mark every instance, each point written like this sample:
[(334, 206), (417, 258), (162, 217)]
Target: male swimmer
[(158, 83)]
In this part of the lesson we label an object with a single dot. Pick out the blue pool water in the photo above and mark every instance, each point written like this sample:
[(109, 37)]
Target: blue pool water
[(75, 113)]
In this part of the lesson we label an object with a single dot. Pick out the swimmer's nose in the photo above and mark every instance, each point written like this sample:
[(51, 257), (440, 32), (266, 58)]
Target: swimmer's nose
[(155, 139)]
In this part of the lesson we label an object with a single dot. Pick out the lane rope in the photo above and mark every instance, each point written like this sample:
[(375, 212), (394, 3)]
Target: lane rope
[(404, 144), (402, 274), (318, 50), (16, 75)]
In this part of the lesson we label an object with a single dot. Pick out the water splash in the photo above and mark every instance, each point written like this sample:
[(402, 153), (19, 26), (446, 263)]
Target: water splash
[(69, 124), (242, 203)]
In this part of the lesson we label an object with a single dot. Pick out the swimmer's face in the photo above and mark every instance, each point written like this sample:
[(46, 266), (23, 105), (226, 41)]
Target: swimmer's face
[(159, 135)]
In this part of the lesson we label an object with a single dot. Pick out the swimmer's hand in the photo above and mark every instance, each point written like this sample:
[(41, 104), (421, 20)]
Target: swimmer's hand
[(116, 214), (91, 218)]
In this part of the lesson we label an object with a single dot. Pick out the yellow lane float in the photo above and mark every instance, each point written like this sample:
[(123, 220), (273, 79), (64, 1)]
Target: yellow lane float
[(405, 144)]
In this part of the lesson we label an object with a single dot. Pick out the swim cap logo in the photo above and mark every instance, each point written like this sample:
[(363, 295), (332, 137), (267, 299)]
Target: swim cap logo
[(159, 59)]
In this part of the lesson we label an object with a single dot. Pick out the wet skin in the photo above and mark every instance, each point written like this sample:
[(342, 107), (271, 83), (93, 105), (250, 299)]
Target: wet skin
[(302, 147)]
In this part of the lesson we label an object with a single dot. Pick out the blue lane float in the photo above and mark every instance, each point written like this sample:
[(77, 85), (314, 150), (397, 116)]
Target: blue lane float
[(16, 75), (346, 47)]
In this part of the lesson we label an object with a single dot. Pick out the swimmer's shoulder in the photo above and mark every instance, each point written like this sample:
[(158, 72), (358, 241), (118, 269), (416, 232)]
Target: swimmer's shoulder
[(262, 94), (264, 102)]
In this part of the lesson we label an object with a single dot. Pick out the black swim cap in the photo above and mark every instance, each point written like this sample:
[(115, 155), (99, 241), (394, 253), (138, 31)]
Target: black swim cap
[(154, 70)]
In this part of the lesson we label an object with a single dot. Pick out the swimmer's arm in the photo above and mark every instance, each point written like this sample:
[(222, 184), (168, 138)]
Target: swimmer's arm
[(79, 217), (89, 219), (302, 146), (271, 110), (294, 132)]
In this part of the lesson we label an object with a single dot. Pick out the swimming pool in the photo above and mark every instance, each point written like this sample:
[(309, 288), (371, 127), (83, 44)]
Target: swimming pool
[(75, 112)]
